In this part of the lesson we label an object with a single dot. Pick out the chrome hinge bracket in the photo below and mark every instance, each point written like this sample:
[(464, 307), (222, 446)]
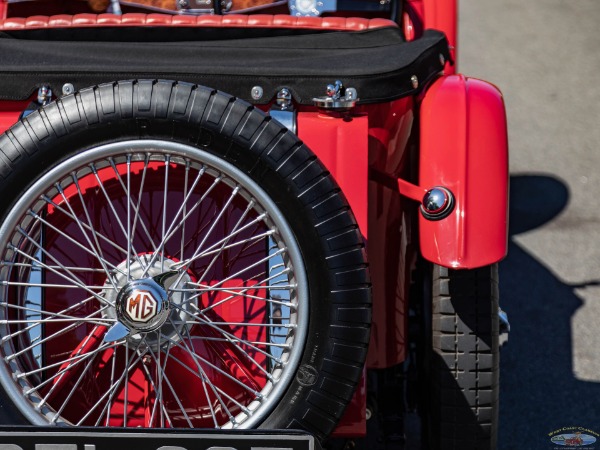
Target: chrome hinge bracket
[(283, 110)]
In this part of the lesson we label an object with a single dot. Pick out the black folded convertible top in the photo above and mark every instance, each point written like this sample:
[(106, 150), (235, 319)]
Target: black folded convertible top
[(378, 63)]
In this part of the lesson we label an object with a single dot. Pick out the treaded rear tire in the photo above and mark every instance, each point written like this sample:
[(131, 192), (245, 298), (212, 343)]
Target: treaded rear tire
[(464, 359)]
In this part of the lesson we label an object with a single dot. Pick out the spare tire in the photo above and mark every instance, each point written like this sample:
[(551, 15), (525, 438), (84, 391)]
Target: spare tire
[(172, 257)]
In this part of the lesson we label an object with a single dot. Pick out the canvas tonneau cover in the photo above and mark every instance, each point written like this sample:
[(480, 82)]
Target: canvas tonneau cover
[(378, 63)]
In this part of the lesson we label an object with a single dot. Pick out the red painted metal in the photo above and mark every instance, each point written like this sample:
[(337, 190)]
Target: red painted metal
[(442, 15), (3, 9), (342, 146), (392, 245), (411, 191), (10, 112), (464, 148), (412, 19)]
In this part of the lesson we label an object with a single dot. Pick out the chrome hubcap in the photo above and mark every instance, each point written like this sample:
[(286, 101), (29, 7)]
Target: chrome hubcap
[(153, 300)]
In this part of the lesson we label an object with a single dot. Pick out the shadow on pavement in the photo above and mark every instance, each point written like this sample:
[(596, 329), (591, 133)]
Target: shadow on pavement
[(539, 392)]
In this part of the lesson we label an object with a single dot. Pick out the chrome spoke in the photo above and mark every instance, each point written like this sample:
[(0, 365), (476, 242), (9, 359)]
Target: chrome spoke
[(184, 218), (97, 250), (161, 372), (82, 286), (78, 244), (112, 380), (136, 211), (183, 207), (202, 377), (188, 261), (218, 369), (129, 240), (234, 339), (236, 226), (113, 388), (64, 361), (126, 395), (126, 232), (175, 396), (26, 329), (126, 192), (215, 339), (165, 208), (208, 381), (47, 285), (252, 240), (60, 374), (241, 293), (159, 401), (75, 279), (74, 388), (251, 266), (80, 321), (35, 266), (47, 338)]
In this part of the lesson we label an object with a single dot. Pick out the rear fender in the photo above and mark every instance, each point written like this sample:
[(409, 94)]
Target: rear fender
[(464, 148)]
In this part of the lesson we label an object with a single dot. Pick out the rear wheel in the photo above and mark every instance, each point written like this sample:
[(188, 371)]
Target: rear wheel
[(462, 361), (175, 259)]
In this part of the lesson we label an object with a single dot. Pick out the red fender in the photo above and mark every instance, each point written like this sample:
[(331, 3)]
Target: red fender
[(464, 148)]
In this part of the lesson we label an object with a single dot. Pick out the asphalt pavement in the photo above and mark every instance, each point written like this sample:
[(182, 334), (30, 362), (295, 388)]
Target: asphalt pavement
[(545, 57)]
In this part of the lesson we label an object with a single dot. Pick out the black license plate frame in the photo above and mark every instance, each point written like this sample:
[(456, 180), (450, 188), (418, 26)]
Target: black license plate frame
[(53, 438)]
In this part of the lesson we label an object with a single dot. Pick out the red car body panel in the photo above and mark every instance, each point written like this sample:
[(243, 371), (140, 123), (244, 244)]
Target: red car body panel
[(378, 138), (419, 15), (342, 145), (464, 147), (9, 113)]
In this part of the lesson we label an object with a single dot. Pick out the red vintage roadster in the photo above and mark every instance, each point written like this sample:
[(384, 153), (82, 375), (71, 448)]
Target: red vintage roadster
[(223, 221)]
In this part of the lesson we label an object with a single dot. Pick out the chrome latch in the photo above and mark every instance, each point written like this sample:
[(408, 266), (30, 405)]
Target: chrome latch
[(44, 95), (338, 98)]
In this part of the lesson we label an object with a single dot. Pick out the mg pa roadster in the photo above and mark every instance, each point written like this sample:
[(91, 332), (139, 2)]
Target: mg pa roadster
[(247, 223)]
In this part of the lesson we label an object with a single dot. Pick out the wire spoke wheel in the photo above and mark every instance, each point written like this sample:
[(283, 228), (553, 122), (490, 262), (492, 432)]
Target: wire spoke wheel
[(171, 257), (215, 343)]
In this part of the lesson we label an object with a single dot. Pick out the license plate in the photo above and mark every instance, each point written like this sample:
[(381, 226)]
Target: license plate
[(42, 438)]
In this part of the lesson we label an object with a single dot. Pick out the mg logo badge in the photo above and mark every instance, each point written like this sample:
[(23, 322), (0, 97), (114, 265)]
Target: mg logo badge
[(141, 306)]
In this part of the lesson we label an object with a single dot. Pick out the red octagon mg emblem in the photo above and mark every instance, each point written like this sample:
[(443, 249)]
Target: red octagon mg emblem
[(141, 306)]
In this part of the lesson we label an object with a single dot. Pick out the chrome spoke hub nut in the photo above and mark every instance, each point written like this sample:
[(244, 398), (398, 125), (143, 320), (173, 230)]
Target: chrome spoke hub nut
[(142, 305), (154, 305)]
